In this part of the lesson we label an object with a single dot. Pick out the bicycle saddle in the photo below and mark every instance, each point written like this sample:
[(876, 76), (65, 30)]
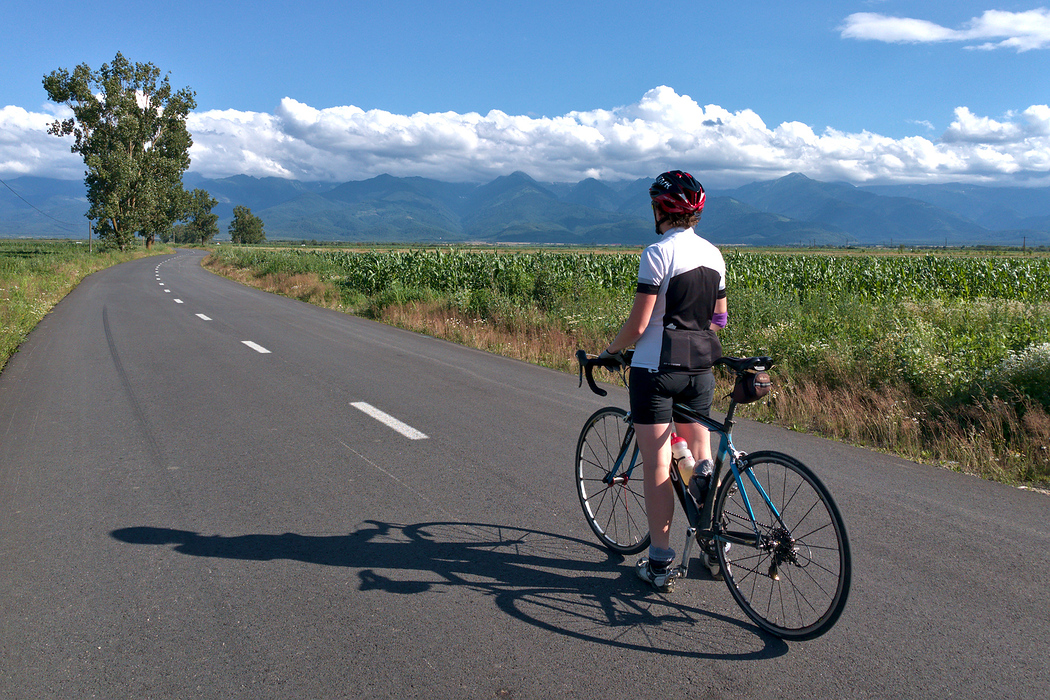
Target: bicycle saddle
[(745, 364)]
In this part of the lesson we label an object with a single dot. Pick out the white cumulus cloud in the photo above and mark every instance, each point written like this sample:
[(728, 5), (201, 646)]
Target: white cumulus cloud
[(996, 29), (662, 130), (1030, 127), (873, 26), (27, 149)]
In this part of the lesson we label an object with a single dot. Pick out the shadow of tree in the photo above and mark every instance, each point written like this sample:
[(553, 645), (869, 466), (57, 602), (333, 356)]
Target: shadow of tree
[(545, 579)]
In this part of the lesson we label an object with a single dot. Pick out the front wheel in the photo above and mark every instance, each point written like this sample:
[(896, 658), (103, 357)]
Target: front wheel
[(612, 495), (795, 580)]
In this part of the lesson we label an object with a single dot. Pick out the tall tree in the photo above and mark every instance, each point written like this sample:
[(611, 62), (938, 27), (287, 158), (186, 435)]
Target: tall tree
[(130, 128), (201, 224), (246, 227)]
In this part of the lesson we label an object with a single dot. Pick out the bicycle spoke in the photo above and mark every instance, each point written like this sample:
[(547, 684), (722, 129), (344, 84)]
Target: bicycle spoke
[(801, 538), (793, 585), (614, 508)]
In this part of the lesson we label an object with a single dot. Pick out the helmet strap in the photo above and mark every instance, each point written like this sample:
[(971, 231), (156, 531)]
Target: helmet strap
[(659, 219)]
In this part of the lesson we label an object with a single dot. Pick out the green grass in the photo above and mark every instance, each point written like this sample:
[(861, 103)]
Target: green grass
[(941, 357), (943, 325), (36, 274), (935, 356)]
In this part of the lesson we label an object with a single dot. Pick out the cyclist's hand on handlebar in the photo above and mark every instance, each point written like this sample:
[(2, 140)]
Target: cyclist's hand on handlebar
[(616, 356), (609, 360)]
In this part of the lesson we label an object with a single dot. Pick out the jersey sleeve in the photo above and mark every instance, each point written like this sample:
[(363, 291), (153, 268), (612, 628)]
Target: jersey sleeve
[(651, 271)]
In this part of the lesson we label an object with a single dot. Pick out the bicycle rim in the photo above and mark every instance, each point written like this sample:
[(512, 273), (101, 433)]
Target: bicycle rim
[(613, 504), (795, 582)]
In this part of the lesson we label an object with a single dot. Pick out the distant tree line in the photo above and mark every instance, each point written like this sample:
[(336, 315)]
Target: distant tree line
[(200, 226)]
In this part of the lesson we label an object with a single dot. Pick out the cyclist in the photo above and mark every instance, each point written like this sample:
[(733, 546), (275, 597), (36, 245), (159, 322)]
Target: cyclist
[(679, 303)]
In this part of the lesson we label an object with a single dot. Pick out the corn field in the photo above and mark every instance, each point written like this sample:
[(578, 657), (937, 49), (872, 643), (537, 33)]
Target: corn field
[(872, 277), (940, 323), (877, 277), (939, 357), (443, 271)]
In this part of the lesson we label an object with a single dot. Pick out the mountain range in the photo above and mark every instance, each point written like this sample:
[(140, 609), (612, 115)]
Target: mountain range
[(792, 210)]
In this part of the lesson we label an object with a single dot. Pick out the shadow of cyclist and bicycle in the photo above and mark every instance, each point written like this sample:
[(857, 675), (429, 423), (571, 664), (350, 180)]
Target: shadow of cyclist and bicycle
[(544, 579)]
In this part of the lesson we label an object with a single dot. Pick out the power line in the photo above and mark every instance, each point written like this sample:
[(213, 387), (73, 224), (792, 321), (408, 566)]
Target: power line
[(64, 223)]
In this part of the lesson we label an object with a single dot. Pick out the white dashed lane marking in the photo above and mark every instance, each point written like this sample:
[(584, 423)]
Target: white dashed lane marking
[(256, 347), (384, 418), (389, 421)]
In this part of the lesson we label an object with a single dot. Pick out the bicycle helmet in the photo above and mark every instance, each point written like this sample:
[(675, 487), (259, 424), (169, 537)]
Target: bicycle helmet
[(676, 192)]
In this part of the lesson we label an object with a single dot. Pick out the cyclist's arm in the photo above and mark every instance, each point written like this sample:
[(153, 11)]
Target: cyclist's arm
[(636, 322), (721, 307)]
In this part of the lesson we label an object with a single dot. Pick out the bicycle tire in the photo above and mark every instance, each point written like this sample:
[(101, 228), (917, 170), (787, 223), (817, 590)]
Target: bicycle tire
[(807, 549), (614, 510)]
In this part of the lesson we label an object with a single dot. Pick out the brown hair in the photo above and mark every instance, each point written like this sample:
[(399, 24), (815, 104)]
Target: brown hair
[(682, 220)]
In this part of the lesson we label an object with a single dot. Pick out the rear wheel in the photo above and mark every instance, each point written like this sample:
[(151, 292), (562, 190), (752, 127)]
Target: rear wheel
[(795, 581), (612, 497)]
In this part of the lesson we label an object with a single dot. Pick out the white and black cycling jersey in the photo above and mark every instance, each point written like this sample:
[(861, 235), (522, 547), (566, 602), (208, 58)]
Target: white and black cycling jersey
[(687, 274)]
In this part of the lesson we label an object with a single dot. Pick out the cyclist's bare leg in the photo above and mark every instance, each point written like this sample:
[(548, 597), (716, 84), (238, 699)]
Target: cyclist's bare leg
[(654, 443), (698, 437)]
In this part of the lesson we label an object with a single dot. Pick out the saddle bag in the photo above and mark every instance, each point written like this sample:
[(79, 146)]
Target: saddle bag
[(751, 386)]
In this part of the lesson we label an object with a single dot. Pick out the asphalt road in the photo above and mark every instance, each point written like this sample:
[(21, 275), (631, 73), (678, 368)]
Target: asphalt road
[(183, 515)]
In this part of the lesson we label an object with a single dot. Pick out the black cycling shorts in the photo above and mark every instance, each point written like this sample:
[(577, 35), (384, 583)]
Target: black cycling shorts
[(654, 393)]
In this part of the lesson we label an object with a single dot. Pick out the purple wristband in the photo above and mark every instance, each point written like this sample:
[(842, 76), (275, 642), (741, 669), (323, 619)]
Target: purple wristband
[(720, 320)]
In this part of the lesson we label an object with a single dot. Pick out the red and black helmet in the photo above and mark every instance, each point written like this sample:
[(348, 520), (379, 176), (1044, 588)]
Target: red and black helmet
[(676, 192)]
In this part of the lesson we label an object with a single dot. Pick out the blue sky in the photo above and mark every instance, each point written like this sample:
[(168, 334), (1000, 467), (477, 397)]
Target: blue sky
[(867, 91)]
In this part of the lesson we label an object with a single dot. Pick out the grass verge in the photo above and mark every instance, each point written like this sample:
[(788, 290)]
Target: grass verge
[(983, 433), (36, 275)]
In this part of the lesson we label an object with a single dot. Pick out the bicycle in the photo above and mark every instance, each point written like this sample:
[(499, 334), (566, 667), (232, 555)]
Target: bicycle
[(777, 534)]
